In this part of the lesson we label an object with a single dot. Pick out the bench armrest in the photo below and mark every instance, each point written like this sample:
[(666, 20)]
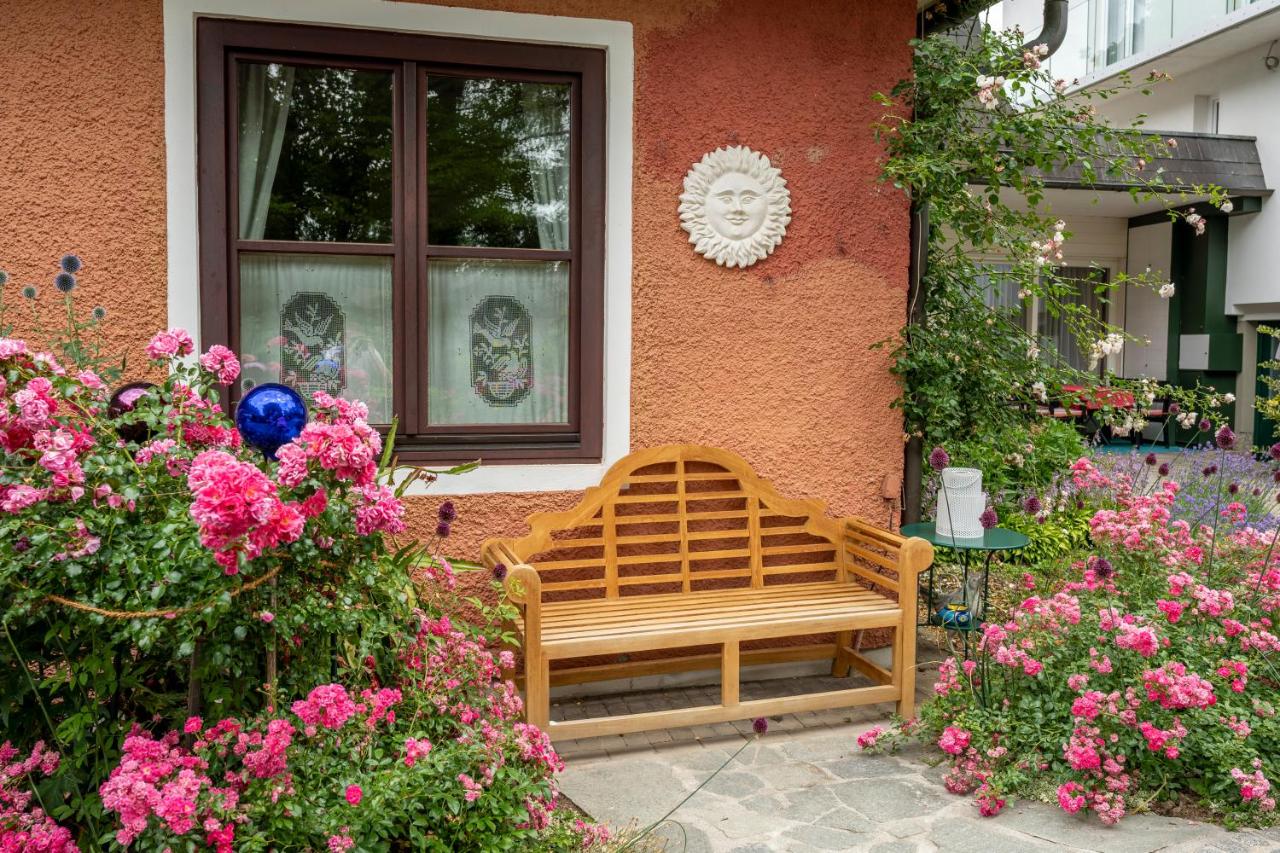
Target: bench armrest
[(869, 551), (524, 589)]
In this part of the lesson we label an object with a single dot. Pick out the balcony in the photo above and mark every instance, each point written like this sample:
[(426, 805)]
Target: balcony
[(1105, 37)]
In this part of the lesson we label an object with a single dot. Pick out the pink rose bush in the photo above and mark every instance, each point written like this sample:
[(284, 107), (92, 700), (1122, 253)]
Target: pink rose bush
[(1145, 677), (24, 825), (228, 645), (439, 761)]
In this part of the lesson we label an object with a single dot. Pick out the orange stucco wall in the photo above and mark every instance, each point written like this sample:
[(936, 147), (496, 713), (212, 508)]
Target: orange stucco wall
[(772, 362)]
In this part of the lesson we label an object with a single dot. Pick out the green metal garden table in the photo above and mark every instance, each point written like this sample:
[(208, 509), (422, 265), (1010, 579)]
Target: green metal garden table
[(993, 540)]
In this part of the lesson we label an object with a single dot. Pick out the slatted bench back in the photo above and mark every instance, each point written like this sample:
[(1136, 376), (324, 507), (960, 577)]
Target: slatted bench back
[(686, 518)]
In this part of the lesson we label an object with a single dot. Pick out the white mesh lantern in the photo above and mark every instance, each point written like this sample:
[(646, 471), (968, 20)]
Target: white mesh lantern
[(960, 504)]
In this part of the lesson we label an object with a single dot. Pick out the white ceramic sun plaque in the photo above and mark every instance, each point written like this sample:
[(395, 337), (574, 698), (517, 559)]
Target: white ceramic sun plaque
[(735, 206)]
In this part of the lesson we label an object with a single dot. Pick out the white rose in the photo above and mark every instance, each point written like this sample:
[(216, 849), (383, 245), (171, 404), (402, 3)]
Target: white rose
[(1166, 290), (1227, 206)]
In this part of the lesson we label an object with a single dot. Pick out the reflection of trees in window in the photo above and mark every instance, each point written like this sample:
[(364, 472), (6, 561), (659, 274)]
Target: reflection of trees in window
[(497, 162), (333, 181)]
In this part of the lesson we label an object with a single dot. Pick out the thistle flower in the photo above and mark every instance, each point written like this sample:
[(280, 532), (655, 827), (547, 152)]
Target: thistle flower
[(30, 292), (1225, 438), (988, 519), (70, 264), (99, 313), (760, 725), (939, 459), (65, 282), (4, 278)]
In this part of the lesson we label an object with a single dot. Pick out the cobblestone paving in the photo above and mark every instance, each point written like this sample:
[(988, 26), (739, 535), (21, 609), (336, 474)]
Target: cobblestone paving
[(805, 787)]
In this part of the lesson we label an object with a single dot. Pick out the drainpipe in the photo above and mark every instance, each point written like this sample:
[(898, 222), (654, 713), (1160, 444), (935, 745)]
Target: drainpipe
[(1052, 34), (1054, 31)]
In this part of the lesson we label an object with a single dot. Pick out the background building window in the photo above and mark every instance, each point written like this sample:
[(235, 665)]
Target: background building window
[(413, 221)]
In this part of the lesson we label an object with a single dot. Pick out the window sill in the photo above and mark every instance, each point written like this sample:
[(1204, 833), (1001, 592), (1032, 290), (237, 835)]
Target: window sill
[(438, 454)]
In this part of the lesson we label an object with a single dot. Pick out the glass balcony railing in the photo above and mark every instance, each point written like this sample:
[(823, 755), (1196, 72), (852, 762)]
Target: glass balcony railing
[(1102, 33)]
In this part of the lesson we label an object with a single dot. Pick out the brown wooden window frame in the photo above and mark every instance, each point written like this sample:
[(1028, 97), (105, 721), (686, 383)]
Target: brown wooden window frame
[(221, 43)]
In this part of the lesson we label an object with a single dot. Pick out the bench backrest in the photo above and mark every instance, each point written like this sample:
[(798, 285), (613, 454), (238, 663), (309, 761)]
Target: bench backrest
[(687, 518)]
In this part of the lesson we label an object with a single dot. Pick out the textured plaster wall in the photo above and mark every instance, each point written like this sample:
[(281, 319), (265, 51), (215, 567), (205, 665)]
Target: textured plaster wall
[(82, 164), (772, 362)]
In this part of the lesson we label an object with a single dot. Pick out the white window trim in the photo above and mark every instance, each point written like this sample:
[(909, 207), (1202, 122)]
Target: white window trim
[(615, 37)]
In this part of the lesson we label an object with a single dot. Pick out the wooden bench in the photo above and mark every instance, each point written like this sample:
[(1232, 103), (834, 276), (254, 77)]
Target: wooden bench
[(685, 546)]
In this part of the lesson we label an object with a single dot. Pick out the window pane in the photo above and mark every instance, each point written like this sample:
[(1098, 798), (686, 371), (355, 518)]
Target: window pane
[(497, 163), (1056, 331), (314, 153), (318, 323), (498, 342)]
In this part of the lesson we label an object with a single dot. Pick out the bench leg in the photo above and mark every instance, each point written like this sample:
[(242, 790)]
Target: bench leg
[(537, 689), (729, 674), (841, 666), (904, 665)]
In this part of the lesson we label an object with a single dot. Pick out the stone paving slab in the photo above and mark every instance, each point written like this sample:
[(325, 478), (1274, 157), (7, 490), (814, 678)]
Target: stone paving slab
[(806, 787)]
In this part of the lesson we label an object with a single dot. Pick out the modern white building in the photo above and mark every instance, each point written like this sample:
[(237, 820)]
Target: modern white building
[(1223, 106)]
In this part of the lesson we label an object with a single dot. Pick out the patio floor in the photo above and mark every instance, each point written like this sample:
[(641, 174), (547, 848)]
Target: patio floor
[(805, 786)]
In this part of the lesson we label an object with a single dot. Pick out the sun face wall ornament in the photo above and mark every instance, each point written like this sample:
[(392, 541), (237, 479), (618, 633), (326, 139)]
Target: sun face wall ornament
[(735, 206)]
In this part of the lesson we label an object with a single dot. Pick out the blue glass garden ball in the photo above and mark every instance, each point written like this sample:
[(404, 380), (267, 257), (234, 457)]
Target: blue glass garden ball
[(124, 400), (270, 416)]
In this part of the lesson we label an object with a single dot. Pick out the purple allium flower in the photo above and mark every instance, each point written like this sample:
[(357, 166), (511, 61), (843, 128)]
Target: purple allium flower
[(1174, 408), (1275, 451), (1209, 470), (65, 282), (1276, 475), (1102, 568), (448, 512), (1205, 425), (1151, 459), (1032, 504), (759, 725), (1225, 438), (1257, 493), (499, 572), (442, 529), (1079, 504), (1163, 470), (22, 544), (939, 459), (1233, 488), (70, 264), (988, 519)]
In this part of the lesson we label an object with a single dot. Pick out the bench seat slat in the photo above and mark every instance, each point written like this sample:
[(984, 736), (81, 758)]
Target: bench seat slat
[(712, 597), (640, 607), (635, 622)]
